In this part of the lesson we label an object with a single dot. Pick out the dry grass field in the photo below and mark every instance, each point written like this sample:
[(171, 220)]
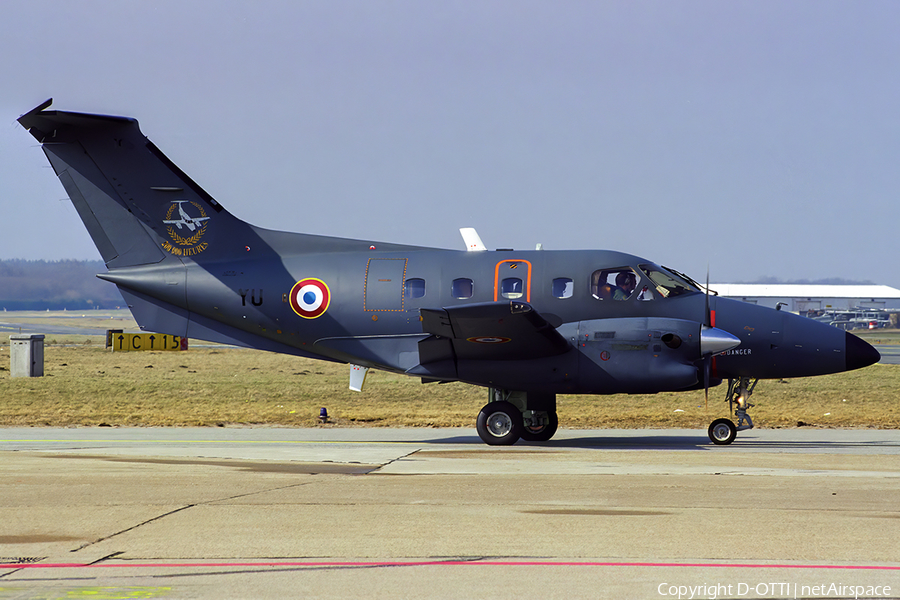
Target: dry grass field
[(85, 385)]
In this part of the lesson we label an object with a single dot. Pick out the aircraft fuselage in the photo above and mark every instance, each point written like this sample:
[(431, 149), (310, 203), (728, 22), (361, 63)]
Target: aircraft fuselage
[(375, 298)]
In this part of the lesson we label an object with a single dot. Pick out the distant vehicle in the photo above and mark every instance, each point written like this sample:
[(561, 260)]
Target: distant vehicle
[(859, 318), (527, 325)]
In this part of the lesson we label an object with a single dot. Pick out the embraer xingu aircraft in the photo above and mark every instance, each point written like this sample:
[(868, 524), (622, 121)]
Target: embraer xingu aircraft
[(527, 325)]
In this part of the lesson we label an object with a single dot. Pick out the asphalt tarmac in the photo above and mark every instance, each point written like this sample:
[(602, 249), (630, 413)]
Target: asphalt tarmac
[(890, 354), (433, 513)]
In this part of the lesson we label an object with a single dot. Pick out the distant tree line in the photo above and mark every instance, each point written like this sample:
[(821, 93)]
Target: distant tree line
[(55, 285)]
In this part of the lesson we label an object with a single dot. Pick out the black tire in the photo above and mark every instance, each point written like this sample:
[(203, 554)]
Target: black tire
[(499, 424), (722, 432), (542, 434)]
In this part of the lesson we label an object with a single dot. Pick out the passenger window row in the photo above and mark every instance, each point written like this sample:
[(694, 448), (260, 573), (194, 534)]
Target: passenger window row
[(623, 283), (510, 287)]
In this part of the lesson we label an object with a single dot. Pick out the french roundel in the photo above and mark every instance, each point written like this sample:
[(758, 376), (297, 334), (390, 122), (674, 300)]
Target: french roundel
[(310, 298)]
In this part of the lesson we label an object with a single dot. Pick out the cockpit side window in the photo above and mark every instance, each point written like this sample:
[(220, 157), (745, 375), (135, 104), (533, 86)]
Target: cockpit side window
[(614, 284), (666, 283)]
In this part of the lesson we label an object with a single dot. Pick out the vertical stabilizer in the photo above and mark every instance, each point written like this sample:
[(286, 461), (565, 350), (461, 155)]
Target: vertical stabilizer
[(137, 205)]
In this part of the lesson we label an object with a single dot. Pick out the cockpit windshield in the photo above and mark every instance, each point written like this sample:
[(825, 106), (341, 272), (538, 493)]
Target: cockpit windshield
[(667, 283)]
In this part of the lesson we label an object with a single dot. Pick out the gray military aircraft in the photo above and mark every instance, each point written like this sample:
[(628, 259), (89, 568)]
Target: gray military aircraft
[(527, 325)]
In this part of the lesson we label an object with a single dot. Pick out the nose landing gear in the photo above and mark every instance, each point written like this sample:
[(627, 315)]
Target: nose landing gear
[(723, 431)]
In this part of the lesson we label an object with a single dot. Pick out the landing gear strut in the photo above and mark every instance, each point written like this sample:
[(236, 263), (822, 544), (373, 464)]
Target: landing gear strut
[(723, 431), (542, 426), (511, 415)]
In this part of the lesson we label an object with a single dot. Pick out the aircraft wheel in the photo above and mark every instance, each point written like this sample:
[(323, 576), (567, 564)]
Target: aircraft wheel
[(722, 432), (499, 424), (542, 433)]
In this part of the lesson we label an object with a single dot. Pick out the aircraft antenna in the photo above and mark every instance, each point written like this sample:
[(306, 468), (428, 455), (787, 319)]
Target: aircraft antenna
[(472, 239)]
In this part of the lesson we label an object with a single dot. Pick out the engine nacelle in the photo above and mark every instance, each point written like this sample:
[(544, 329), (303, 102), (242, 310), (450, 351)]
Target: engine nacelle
[(638, 355)]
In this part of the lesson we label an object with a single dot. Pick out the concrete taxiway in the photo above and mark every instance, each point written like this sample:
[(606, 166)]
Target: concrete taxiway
[(890, 354), (415, 513)]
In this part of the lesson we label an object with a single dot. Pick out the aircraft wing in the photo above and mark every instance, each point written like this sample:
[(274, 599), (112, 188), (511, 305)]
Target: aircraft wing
[(495, 331)]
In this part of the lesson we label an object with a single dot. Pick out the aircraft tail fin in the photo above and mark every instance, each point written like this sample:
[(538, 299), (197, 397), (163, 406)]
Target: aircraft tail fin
[(137, 205)]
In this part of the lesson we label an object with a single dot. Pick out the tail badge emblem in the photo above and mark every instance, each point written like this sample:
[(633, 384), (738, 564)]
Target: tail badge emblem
[(185, 231)]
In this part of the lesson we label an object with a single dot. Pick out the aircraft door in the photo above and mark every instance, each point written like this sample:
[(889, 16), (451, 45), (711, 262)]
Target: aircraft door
[(384, 284), (512, 280)]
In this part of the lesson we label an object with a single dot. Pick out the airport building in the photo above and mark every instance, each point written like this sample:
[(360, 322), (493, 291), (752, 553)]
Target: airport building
[(848, 306)]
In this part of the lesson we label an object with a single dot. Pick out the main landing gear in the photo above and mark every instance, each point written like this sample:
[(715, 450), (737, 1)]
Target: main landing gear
[(723, 431), (510, 415)]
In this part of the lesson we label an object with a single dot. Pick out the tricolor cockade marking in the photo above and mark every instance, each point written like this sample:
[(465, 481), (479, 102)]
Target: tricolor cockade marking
[(310, 298)]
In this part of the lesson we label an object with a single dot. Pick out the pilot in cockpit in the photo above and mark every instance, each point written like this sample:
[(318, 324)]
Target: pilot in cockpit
[(625, 284)]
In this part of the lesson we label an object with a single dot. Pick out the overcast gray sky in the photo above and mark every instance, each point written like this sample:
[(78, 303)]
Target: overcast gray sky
[(761, 138)]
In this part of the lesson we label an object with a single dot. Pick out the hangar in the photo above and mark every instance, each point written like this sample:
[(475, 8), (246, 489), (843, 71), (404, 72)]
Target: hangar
[(813, 298)]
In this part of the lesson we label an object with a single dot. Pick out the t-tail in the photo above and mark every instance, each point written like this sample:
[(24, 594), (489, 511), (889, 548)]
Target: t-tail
[(137, 205), (141, 209)]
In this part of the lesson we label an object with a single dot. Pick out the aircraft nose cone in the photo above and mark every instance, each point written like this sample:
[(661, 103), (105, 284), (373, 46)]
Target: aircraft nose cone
[(859, 353), (716, 341)]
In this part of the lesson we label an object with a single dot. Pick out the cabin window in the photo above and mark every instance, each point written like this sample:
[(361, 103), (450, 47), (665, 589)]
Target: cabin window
[(614, 284), (563, 287), (414, 288), (511, 288), (462, 288)]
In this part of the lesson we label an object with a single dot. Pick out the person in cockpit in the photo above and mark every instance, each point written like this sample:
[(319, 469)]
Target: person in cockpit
[(625, 284)]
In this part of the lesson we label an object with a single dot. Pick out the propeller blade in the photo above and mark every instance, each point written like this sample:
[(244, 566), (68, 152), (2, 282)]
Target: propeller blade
[(707, 316), (712, 341), (707, 321), (706, 362)]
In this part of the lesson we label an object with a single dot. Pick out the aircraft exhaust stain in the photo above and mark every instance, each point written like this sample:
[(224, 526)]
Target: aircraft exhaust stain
[(37, 539), (499, 453), (598, 512), (108, 593), (305, 468)]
